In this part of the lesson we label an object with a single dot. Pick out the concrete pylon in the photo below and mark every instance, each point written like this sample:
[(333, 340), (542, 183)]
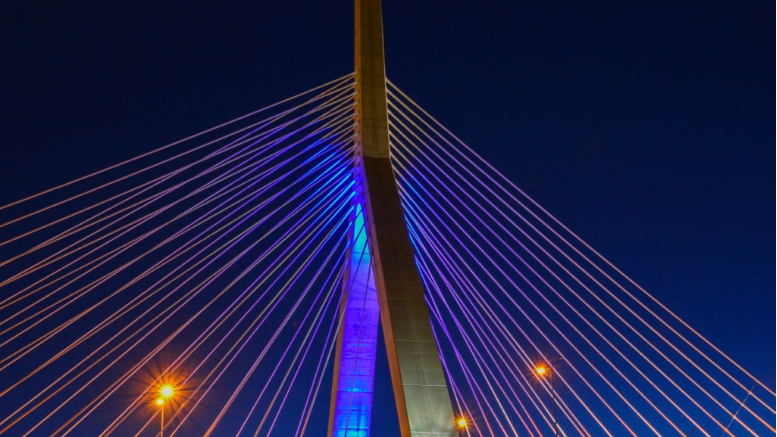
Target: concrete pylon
[(392, 286)]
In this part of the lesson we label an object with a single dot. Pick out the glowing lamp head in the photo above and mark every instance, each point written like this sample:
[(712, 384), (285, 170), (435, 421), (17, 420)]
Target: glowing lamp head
[(160, 401), (166, 391), (461, 422), (542, 370)]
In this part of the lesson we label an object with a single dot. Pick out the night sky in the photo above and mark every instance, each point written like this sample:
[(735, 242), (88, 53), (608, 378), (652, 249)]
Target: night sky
[(647, 127)]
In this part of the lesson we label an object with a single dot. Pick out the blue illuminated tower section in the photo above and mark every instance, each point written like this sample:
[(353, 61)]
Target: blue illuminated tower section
[(357, 339), (383, 282)]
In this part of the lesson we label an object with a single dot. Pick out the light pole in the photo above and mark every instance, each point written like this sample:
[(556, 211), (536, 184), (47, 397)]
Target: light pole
[(165, 393), (542, 370), (462, 424)]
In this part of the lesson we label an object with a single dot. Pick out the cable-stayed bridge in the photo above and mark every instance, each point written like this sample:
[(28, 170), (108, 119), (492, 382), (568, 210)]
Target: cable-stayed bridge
[(221, 265)]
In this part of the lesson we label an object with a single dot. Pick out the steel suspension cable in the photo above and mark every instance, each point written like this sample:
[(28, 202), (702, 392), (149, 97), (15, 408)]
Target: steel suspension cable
[(335, 82), (517, 189)]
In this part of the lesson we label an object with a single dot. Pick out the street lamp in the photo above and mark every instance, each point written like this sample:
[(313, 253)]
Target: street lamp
[(165, 393), (547, 369), (462, 423)]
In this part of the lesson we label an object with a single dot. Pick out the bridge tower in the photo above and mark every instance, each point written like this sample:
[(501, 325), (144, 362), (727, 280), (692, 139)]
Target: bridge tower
[(391, 290)]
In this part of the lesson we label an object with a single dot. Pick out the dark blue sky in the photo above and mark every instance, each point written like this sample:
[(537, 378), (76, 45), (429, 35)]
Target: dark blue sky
[(645, 126)]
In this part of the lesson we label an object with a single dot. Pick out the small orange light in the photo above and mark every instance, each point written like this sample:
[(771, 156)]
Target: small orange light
[(541, 370), (461, 422), (160, 401), (167, 391)]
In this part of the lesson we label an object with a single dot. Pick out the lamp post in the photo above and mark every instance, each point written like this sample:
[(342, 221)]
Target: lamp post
[(542, 370), (462, 423), (165, 393)]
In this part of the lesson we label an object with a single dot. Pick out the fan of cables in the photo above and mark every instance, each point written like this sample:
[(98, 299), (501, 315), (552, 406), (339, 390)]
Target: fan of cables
[(540, 334), (192, 290), (197, 290)]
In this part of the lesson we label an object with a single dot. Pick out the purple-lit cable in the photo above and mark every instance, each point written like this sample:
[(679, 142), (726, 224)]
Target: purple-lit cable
[(262, 354), (511, 196), (337, 130), (476, 327), (460, 278), (300, 226), (313, 198), (487, 240), (241, 154), (531, 321), (337, 83), (191, 319), (41, 320), (90, 252), (434, 173), (180, 215), (686, 415)]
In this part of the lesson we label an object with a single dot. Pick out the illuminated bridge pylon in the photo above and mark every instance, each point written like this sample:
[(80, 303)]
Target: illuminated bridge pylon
[(391, 290)]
